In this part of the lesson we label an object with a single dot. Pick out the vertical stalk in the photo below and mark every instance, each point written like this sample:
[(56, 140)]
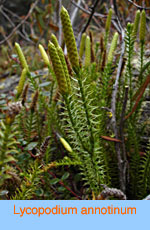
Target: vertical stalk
[(86, 112), (67, 102), (141, 62)]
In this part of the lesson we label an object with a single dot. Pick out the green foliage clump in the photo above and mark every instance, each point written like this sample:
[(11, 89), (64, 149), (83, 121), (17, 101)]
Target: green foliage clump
[(57, 138)]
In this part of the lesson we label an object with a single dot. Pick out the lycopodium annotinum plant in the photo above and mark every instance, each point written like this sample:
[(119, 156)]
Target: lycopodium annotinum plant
[(8, 145), (82, 116)]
